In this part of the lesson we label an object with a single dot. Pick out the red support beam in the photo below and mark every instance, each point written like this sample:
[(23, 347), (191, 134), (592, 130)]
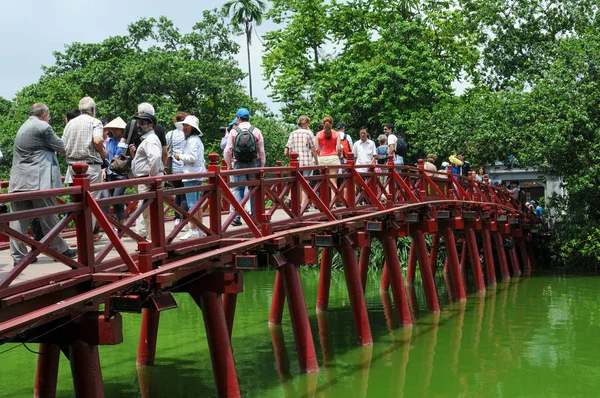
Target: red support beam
[(229, 304), (475, 261), (458, 290), (47, 371), (433, 254), (524, 256), (305, 347), (384, 285), (363, 265), (278, 302), (357, 299), (488, 256), (148, 337), (395, 272), (514, 261), (412, 263), (501, 256), (219, 342), (85, 368), (324, 279), (425, 268)]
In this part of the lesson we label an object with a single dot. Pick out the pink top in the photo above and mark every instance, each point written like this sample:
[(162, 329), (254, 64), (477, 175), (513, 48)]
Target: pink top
[(328, 146)]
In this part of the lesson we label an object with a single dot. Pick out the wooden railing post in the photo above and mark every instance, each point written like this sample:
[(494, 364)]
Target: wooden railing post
[(83, 221), (157, 217), (423, 183), (224, 204), (391, 183), (216, 204), (295, 196), (351, 183)]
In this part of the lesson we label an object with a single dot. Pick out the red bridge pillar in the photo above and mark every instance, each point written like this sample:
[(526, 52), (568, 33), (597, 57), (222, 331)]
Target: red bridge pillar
[(324, 279), (307, 357), (150, 316), (278, 302), (412, 263), (475, 261), (514, 260), (501, 256), (489, 257), (435, 244), (453, 263), (392, 264), (384, 285), (363, 262), (524, 256), (85, 368), (357, 298), (426, 274), (219, 342), (47, 371)]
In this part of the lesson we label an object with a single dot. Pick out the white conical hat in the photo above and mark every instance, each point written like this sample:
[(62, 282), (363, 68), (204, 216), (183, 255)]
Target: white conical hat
[(117, 123)]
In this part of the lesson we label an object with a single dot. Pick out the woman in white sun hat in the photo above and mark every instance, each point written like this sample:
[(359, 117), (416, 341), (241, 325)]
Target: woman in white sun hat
[(193, 162)]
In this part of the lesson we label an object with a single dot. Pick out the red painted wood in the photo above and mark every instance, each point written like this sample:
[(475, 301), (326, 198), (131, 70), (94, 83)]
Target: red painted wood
[(305, 347)]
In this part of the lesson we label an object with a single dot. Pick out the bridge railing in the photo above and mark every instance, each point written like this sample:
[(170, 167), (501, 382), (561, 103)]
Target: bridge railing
[(284, 198)]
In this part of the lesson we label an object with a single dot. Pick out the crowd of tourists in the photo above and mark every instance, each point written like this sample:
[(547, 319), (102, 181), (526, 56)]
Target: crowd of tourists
[(116, 150)]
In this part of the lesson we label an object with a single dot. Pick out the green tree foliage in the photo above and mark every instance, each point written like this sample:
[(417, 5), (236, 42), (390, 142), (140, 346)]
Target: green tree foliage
[(366, 63), (155, 63)]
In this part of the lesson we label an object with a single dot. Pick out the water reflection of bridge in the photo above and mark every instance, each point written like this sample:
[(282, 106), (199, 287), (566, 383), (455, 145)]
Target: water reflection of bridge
[(78, 307)]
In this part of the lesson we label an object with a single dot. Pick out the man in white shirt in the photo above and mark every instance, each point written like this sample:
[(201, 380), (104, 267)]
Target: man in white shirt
[(84, 143), (147, 161), (392, 141), (364, 151)]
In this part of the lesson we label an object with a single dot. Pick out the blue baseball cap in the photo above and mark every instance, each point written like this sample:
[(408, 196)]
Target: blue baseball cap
[(243, 113), (233, 122)]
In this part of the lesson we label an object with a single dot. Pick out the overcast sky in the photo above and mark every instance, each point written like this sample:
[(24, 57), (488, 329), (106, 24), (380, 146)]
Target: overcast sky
[(32, 30)]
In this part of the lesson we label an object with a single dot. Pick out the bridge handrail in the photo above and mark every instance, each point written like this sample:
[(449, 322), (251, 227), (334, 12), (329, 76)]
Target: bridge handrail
[(390, 187)]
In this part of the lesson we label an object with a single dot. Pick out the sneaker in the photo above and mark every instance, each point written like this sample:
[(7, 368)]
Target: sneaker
[(32, 261), (195, 233), (186, 227), (236, 223)]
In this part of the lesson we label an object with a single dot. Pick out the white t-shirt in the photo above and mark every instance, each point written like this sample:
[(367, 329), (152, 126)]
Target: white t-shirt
[(393, 140)]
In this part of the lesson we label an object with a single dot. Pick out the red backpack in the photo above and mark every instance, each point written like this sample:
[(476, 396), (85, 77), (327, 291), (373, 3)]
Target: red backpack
[(345, 146)]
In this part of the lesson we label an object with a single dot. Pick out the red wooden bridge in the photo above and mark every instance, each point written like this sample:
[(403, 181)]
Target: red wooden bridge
[(74, 305)]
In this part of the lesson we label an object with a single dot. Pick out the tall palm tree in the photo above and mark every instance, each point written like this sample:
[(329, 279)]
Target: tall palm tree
[(245, 13)]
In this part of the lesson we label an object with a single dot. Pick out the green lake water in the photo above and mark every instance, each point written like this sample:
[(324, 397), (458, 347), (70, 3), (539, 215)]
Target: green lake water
[(530, 337)]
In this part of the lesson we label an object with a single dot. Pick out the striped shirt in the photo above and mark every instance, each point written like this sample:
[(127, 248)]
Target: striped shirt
[(78, 137), (176, 143)]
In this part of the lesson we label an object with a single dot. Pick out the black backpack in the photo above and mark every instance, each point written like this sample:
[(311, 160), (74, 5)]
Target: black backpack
[(244, 146), (401, 146)]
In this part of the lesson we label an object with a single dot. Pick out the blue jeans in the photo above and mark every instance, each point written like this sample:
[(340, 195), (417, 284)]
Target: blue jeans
[(119, 208), (238, 192), (192, 197)]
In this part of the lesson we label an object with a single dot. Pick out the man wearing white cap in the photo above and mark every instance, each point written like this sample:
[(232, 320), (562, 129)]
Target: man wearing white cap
[(147, 161), (115, 148)]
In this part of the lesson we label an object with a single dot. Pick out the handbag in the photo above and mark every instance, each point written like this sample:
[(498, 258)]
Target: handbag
[(121, 164), (169, 165)]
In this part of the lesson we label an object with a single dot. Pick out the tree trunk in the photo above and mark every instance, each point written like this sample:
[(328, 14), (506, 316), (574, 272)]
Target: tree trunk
[(248, 38)]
